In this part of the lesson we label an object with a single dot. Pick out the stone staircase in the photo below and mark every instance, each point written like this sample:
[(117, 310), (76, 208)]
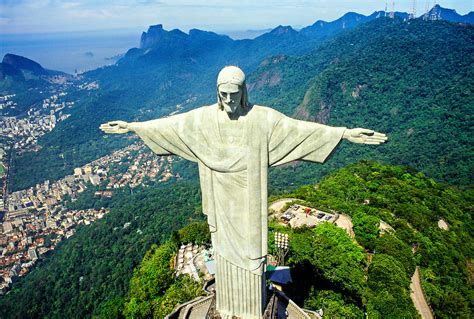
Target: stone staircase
[(278, 307)]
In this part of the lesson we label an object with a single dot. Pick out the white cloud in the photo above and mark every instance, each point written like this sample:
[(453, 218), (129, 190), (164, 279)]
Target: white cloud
[(70, 5), (92, 14)]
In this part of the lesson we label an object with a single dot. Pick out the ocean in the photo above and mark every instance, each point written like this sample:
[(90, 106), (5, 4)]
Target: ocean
[(82, 51), (72, 51)]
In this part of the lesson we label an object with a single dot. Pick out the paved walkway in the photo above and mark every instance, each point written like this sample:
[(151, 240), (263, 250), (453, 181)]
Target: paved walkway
[(418, 298)]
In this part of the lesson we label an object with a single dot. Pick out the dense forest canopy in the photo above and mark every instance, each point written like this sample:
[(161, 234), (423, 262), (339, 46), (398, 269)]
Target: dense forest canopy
[(328, 267), (97, 263), (412, 80), (412, 204)]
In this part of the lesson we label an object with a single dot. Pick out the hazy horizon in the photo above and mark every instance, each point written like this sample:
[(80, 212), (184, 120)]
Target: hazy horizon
[(47, 16), (78, 47), (69, 51)]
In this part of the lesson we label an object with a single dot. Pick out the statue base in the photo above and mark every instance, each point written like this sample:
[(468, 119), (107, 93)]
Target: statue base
[(279, 306)]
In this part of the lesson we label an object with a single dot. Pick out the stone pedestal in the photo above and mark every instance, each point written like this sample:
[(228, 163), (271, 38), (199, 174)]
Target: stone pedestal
[(239, 293)]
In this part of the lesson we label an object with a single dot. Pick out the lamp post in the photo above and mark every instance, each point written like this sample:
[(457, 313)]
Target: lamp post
[(281, 243)]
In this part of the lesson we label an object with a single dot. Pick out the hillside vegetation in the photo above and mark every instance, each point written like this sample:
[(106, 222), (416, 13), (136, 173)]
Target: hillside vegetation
[(412, 204), (412, 80), (328, 267), (346, 277), (96, 264)]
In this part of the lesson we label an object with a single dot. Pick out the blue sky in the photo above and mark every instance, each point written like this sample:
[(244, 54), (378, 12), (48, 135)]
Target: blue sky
[(31, 16)]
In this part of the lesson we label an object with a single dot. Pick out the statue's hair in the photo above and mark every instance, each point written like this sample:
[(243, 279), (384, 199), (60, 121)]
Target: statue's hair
[(238, 80)]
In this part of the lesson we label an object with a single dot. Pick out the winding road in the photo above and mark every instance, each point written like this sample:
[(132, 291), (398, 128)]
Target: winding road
[(417, 296)]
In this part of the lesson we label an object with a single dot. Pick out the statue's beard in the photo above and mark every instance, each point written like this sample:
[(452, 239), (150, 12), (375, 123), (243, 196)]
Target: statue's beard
[(230, 107)]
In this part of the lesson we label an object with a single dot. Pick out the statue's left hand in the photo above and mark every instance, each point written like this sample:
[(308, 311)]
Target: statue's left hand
[(364, 136), (115, 127)]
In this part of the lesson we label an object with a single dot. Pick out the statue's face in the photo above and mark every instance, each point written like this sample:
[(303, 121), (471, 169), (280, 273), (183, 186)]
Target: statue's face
[(230, 98)]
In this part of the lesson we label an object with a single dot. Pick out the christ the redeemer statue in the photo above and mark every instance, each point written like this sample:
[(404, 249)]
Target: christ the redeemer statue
[(234, 142)]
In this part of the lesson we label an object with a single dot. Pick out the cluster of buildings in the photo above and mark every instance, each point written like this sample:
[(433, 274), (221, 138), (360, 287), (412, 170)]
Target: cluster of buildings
[(26, 131), (195, 261), (89, 86), (25, 236), (3, 177), (131, 166), (46, 197), (37, 218), (187, 259), (7, 102)]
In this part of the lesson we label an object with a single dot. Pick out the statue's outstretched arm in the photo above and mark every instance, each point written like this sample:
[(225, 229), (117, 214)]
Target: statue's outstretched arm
[(116, 127), (364, 136)]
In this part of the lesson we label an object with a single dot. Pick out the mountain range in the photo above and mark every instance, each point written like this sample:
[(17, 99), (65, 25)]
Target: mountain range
[(411, 80), (164, 45), (173, 68)]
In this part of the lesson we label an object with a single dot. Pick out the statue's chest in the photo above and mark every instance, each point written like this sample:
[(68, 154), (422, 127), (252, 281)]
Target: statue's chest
[(233, 133)]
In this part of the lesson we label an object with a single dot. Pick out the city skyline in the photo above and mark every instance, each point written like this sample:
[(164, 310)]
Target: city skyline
[(46, 16)]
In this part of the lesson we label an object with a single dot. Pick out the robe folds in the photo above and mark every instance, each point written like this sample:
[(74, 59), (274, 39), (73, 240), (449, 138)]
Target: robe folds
[(233, 179)]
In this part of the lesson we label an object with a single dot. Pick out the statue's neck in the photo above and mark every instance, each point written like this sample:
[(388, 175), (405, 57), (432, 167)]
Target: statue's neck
[(231, 126), (237, 115)]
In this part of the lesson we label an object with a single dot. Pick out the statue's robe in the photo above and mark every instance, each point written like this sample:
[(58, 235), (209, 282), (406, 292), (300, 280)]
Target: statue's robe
[(233, 181)]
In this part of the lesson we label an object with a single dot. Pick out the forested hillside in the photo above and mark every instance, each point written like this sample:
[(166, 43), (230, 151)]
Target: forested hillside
[(412, 204), (412, 80), (346, 277), (97, 263), (409, 79)]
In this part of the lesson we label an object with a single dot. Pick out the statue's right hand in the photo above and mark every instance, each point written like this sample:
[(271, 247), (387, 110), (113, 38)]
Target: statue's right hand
[(115, 127)]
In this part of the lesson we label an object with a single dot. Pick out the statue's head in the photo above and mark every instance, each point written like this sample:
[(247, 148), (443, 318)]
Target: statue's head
[(231, 89)]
